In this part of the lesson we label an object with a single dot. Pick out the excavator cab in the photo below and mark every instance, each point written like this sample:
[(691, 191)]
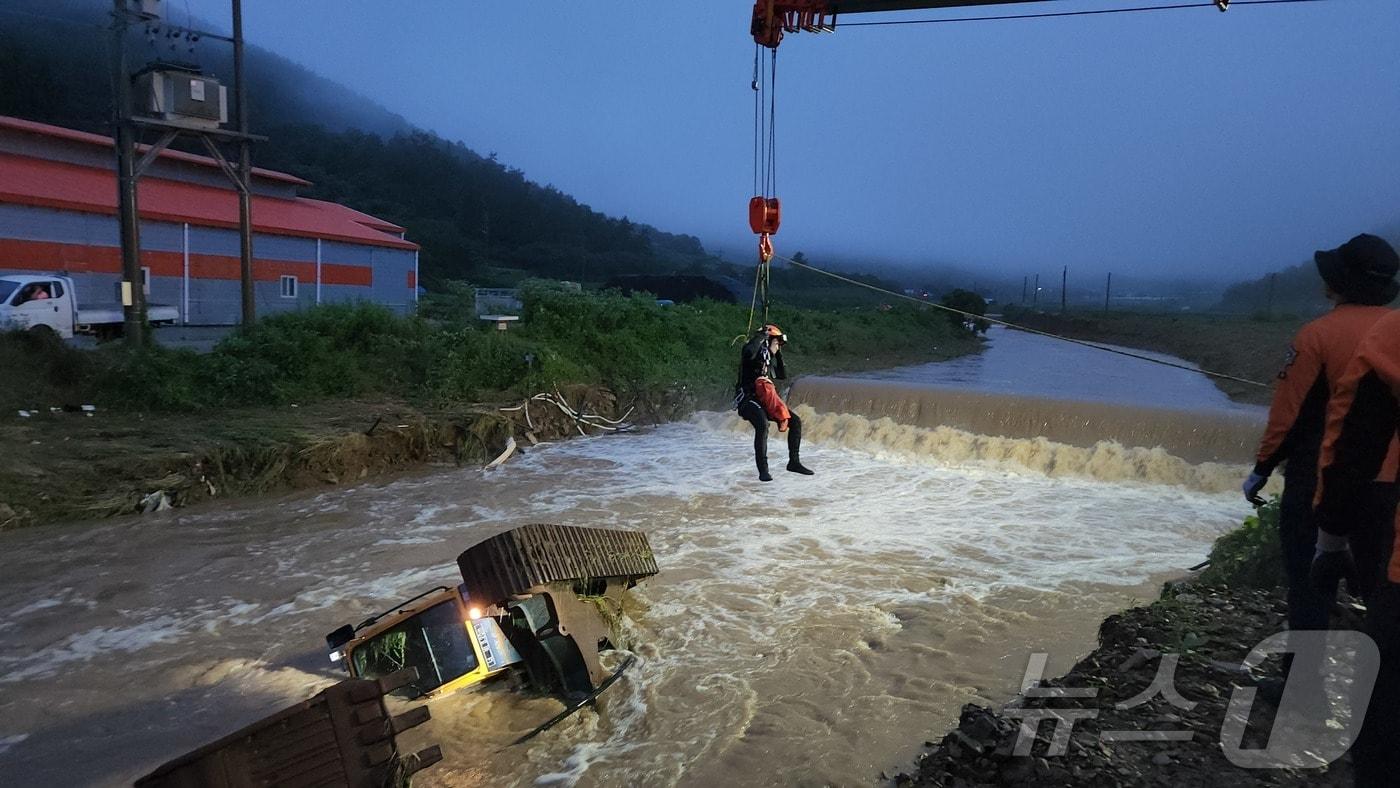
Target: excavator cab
[(437, 634)]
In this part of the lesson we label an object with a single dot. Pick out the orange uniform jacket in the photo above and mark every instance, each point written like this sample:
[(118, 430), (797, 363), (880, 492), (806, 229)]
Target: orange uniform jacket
[(1321, 353), (1362, 423)]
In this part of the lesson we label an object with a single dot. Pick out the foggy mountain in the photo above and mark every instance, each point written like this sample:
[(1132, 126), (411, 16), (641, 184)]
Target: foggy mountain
[(1296, 290)]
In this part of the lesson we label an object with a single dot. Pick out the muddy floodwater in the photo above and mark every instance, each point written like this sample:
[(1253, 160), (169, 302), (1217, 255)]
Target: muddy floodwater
[(809, 631)]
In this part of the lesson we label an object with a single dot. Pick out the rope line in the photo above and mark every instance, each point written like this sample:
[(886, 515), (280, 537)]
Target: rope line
[(1027, 329), (753, 302), (1053, 14)]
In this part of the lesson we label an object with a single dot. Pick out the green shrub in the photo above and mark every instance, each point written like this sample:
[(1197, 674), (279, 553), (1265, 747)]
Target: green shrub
[(629, 344), (154, 378), (454, 305), (41, 370), (327, 352), (1249, 556)]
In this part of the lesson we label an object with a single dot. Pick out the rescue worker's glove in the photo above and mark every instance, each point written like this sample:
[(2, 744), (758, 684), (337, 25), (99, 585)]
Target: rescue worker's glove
[(1333, 563), (1253, 485)]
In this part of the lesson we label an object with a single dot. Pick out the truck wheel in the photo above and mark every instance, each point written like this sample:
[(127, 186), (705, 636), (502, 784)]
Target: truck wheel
[(44, 333)]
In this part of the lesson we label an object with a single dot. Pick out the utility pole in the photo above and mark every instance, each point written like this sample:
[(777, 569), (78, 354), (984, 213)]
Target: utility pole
[(133, 295), (1064, 286), (1107, 291), (1035, 295), (245, 172), (1025, 283), (128, 127)]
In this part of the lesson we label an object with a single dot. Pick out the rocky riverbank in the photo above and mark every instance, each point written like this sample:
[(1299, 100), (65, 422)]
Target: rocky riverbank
[(1206, 631)]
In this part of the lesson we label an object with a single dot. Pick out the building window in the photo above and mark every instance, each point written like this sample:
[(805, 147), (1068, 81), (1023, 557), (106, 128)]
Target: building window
[(289, 287)]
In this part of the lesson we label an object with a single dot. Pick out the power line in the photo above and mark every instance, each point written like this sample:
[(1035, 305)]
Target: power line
[(1071, 340), (1054, 14)]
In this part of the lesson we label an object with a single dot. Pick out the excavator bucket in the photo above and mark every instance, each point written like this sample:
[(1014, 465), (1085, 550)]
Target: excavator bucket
[(343, 736)]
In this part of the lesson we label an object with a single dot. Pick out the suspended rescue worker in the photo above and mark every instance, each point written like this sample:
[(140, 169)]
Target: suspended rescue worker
[(1362, 424), (1360, 280), (760, 360)]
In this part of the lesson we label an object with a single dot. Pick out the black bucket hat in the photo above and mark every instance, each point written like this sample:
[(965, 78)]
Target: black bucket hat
[(1361, 270)]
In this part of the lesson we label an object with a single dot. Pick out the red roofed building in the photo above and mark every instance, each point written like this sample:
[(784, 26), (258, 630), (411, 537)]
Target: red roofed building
[(58, 212)]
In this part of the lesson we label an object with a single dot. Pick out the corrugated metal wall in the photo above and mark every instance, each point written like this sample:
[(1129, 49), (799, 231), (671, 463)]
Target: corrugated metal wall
[(44, 240)]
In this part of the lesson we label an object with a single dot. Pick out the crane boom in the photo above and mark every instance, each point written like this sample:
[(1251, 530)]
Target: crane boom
[(772, 18)]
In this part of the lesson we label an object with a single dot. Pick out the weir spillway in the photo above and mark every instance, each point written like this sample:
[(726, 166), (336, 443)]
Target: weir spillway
[(1195, 436)]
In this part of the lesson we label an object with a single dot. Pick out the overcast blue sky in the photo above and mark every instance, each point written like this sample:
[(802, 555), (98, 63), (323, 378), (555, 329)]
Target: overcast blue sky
[(1184, 142)]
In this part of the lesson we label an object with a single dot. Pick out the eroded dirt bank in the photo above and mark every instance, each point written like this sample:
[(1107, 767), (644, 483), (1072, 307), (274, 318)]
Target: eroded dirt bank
[(65, 466)]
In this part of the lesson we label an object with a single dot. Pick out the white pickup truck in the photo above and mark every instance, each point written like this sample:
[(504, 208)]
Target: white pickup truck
[(37, 302)]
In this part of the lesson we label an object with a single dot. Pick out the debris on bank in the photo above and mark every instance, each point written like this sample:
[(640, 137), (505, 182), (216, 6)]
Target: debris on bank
[(142, 463), (1209, 630)]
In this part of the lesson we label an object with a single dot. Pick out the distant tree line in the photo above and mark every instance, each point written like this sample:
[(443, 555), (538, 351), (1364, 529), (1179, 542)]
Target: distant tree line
[(1296, 291)]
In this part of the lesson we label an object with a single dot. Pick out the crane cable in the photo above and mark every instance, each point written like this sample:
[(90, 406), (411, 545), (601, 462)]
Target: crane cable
[(1027, 329), (765, 164)]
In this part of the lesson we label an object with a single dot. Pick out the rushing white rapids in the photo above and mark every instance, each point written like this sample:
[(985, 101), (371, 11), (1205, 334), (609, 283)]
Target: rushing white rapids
[(812, 630)]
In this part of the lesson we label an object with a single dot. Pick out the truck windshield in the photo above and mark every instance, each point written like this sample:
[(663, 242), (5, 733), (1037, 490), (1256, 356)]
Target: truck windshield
[(6, 288), (435, 642)]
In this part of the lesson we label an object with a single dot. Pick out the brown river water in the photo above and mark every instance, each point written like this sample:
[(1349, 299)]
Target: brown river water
[(811, 631)]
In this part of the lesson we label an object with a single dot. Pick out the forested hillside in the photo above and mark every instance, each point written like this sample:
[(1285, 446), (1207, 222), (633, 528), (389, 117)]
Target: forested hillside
[(476, 218)]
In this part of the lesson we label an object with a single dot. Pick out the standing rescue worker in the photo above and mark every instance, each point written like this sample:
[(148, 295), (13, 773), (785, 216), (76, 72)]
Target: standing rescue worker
[(758, 402), (1362, 423), (1360, 280)]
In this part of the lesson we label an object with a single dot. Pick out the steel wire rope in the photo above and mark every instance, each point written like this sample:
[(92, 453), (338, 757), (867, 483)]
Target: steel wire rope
[(1027, 329)]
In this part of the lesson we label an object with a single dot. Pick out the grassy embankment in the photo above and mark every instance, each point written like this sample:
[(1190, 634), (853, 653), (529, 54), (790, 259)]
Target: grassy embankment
[(289, 402), (1246, 347)]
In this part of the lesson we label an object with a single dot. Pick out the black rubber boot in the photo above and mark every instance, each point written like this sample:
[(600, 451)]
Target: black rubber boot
[(763, 474), (795, 465)]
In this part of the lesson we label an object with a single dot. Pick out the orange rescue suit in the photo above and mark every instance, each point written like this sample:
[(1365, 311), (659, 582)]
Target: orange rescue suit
[(1320, 354), (1362, 422)]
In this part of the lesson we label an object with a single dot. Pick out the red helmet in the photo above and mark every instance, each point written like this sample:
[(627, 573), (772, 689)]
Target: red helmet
[(773, 331)]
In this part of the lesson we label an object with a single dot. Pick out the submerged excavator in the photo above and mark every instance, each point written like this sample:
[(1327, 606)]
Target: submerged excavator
[(537, 602)]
